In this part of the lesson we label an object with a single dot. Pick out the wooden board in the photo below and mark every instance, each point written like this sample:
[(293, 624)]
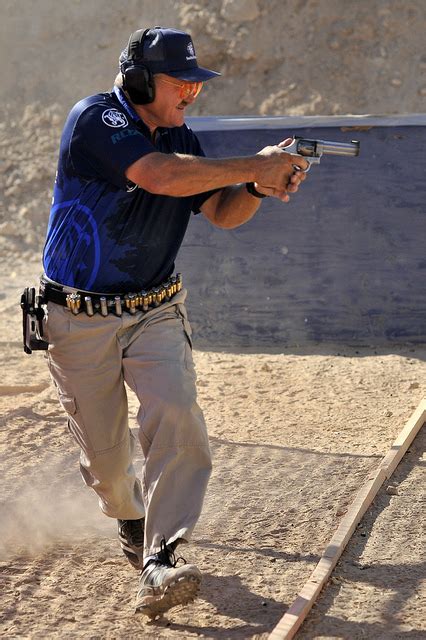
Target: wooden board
[(343, 262), (294, 617)]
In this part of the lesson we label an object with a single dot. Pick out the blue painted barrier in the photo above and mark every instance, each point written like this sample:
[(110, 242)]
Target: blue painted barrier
[(344, 262)]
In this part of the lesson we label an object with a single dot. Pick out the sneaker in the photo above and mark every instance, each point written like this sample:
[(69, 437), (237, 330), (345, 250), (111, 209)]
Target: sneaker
[(131, 535), (162, 585)]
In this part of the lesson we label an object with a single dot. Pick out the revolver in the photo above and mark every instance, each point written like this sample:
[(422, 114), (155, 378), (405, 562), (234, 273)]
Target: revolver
[(312, 150)]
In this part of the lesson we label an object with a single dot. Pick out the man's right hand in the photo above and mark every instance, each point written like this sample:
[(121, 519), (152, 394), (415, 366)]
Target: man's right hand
[(277, 171)]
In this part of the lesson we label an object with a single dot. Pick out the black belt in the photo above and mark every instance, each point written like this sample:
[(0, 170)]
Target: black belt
[(104, 304)]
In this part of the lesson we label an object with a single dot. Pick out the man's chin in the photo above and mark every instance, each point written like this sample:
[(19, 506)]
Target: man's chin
[(176, 119), (179, 119)]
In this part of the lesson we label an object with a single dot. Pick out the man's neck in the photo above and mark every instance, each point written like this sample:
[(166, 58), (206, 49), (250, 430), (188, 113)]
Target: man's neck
[(146, 117), (139, 111)]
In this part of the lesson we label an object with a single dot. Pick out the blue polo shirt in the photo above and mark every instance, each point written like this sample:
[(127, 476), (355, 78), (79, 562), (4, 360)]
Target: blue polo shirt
[(105, 233)]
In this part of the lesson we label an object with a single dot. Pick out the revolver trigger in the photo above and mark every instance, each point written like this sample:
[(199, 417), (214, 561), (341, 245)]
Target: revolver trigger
[(297, 168)]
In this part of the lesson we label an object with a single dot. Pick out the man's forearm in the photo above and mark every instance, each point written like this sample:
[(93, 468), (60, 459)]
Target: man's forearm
[(234, 207), (184, 175)]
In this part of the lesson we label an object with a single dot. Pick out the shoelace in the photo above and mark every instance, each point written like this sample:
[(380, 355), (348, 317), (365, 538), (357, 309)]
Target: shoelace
[(167, 556)]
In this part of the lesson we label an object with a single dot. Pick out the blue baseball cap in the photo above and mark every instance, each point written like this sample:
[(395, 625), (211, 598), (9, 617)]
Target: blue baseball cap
[(164, 50)]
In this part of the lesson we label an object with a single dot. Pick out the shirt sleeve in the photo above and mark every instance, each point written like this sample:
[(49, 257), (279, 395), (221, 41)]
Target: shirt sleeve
[(104, 143)]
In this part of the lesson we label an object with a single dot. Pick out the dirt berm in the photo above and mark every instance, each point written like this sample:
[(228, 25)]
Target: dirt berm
[(276, 58)]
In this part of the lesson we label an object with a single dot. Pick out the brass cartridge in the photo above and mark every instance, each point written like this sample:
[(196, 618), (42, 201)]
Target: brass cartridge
[(89, 305), (132, 303), (75, 302), (104, 306), (156, 296), (145, 300), (117, 304), (179, 282)]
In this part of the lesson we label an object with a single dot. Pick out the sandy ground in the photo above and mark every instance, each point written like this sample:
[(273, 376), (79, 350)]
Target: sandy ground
[(293, 434)]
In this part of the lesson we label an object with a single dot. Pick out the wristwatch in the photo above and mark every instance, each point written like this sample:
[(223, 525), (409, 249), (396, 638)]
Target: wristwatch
[(253, 191)]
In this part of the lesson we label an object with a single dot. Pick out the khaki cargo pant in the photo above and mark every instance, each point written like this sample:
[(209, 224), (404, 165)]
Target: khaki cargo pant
[(90, 359)]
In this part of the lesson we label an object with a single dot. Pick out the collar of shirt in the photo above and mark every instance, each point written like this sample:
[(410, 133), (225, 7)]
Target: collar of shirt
[(119, 94), (125, 104)]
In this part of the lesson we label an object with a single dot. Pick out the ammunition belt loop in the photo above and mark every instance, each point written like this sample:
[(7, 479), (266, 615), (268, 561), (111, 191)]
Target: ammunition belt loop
[(130, 302)]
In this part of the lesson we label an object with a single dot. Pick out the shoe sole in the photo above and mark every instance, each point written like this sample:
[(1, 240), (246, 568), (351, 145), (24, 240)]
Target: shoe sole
[(134, 554), (135, 561), (180, 592)]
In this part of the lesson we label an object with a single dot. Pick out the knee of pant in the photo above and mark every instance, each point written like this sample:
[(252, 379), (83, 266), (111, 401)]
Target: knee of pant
[(188, 427), (167, 425), (106, 467), (180, 395)]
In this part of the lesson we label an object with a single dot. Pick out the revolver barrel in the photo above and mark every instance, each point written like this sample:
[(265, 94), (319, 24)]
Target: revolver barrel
[(340, 148), (316, 148)]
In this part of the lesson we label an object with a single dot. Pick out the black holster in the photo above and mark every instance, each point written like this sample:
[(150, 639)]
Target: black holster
[(32, 321)]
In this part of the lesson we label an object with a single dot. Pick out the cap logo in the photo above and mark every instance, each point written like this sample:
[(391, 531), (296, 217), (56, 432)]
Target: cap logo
[(191, 52), (114, 118)]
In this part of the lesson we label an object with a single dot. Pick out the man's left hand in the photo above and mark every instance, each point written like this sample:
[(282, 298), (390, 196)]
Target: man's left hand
[(292, 187)]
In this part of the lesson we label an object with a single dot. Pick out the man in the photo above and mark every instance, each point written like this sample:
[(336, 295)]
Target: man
[(129, 174)]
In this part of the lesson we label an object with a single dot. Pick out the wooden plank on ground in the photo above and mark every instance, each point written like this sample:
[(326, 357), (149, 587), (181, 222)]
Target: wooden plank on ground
[(294, 617)]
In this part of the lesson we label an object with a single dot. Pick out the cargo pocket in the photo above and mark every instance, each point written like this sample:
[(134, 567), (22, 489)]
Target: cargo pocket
[(186, 324), (181, 310), (75, 423)]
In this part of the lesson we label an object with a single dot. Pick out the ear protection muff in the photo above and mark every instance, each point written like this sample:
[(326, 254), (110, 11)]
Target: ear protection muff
[(138, 80)]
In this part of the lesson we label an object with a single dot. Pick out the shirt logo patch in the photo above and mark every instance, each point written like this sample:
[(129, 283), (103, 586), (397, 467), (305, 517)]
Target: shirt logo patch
[(120, 135), (114, 118)]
